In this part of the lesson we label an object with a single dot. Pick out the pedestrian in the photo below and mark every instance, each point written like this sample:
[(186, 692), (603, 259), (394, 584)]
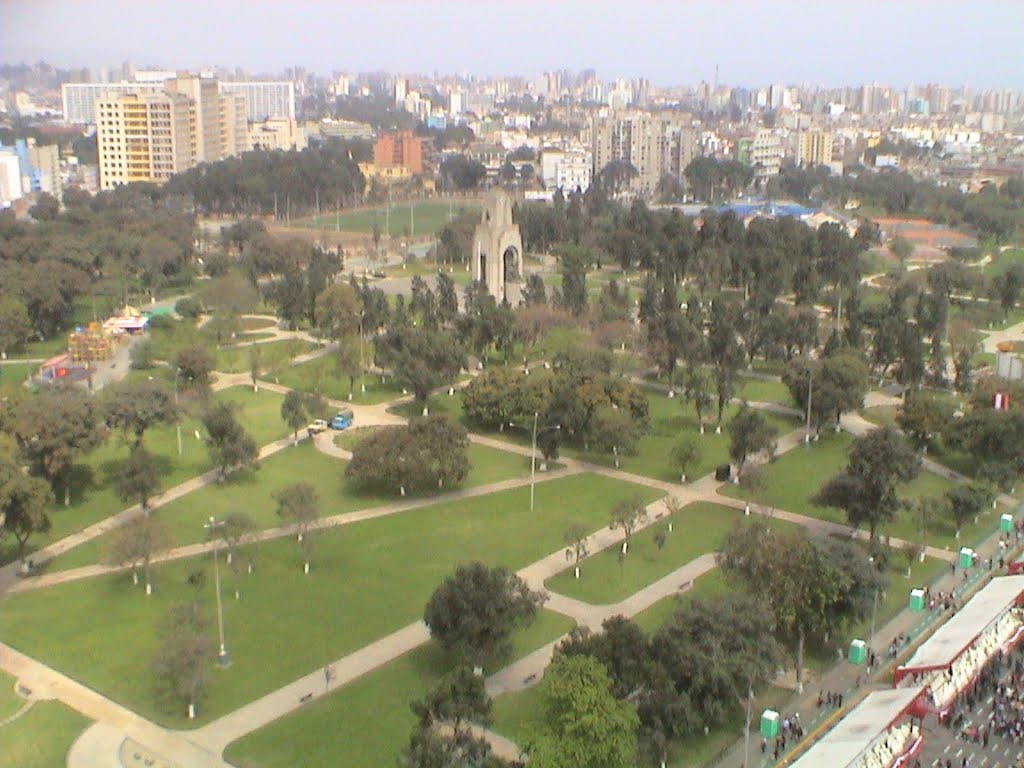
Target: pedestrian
[(764, 746)]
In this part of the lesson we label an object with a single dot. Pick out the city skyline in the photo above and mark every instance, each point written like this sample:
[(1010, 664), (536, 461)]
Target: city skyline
[(670, 44)]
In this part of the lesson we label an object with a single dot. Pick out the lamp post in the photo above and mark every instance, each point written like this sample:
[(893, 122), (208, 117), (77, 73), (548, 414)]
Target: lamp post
[(874, 611), (177, 372), (810, 394), (533, 451), (222, 655)]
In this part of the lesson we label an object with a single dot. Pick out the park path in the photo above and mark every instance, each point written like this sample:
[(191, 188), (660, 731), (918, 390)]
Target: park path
[(993, 338)]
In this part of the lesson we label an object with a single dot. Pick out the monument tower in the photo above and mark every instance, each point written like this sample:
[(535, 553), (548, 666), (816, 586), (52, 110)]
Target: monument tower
[(498, 250)]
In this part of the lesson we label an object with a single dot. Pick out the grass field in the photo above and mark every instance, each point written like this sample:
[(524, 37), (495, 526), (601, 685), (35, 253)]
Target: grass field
[(711, 585), (400, 219), (797, 475), (252, 492), (93, 498), (320, 376), (41, 737), (13, 376), (10, 702), (671, 419), (367, 579), (765, 391), (273, 355), (698, 528), (369, 720)]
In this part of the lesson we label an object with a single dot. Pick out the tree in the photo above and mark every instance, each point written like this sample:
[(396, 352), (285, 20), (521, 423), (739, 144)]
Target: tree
[(575, 540), (750, 433), (138, 478), (965, 502), (922, 417), (474, 611), (230, 446), (138, 541), (613, 429), (15, 325), (574, 262), (234, 529), (443, 736), (298, 505), (338, 311), (185, 654), (24, 503), (133, 406), (901, 248), (583, 724), (293, 411), (628, 516), (866, 488), (421, 360), (428, 453), (684, 456), (698, 392), (53, 429), (460, 172), (195, 365)]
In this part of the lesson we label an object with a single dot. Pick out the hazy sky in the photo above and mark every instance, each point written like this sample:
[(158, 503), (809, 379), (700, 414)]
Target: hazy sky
[(753, 42)]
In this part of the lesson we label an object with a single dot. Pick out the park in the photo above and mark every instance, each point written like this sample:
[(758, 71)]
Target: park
[(188, 553)]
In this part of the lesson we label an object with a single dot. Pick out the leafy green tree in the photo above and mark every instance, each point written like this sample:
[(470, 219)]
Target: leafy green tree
[(866, 488), (230, 446), (459, 172), (901, 248), (298, 505), (338, 311), (138, 542), (195, 365), (698, 391), (53, 429), (685, 455), (15, 325), (491, 399), (138, 477), (293, 412), (574, 262), (922, 418), (474, 611), (421, 360), (614, 430), (628, 516), (24, 503), (134, 406), (583, 724), (965, 502), (577, 548), (181, 663), (443, 736), (750, 434)]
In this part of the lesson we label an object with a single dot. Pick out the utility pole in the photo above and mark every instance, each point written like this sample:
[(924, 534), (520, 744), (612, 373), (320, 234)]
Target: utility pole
[(746, 730), (222, 655), (810, 394)]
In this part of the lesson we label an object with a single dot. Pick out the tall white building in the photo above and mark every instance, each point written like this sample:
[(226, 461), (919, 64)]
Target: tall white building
[(265, 100), (566, 169), (10, 177), (766, 155), (79, 99)]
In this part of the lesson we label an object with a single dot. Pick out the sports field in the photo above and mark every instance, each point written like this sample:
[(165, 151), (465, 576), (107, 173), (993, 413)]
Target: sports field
[(398, 219)]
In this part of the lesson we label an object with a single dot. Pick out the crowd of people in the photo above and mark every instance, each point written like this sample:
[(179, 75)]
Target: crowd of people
[(1000, 686), (790, 730)]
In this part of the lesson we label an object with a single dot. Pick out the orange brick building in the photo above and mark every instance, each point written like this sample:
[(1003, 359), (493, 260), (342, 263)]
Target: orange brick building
[(400, 148)]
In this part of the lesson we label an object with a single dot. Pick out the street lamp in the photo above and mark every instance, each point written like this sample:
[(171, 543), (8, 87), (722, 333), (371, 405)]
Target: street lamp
[(874, 610), (177, 372), (222, 655), (810, 393), (533, 451)]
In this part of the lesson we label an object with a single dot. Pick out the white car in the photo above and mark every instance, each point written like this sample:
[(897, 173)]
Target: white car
[(317, 426)]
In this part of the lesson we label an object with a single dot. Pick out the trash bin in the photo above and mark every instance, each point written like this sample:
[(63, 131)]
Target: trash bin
[(917, 599), (723, 472), (858, 652)]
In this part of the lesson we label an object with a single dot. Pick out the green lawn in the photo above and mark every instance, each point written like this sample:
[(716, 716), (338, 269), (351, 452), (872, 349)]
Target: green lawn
[(711, 585), (367, 579), (1003, 261), (252, 492), (320, 376), (405, 219), (671, 419), (13, 376), (10, 702), (273, 355), (797, 475), (766, 391), (698, 528), (369, 720), (41, 737), (93, 498)]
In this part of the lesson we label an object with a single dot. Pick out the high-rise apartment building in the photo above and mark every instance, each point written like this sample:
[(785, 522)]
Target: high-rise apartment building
[(814, 148), (401, 148), (144, 137), (79, 99), (766, 155), (654, 146), (265, 100)]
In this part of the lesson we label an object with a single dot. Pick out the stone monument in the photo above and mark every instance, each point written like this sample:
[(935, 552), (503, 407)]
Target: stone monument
[(498, 250)]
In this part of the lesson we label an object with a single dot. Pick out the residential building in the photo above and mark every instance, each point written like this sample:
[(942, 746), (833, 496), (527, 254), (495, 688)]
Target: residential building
[(265, 100), (814, 148), (568, 170), (144, 137), (766, 155), (10, 177), (339, 129), (279, 134), (79, 99), (44, 172), (653, 145), (401, 148)]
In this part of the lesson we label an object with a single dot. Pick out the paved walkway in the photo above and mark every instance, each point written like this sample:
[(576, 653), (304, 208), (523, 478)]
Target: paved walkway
[(993, 338)]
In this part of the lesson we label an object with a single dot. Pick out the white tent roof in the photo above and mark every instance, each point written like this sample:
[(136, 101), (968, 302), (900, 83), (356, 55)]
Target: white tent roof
[(856, 732), (950, 640)]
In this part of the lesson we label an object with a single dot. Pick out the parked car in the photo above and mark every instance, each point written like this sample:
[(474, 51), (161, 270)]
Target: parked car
[(319, 425), (343, 420)]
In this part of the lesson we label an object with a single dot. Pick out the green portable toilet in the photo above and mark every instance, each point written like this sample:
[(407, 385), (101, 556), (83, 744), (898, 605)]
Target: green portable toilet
[(966, 557), (1006, 523), (917, 599), (858, 652), (769, 724)]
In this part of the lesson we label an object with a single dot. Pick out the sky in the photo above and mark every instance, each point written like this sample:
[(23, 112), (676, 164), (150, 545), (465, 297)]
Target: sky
[(753, 42)]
